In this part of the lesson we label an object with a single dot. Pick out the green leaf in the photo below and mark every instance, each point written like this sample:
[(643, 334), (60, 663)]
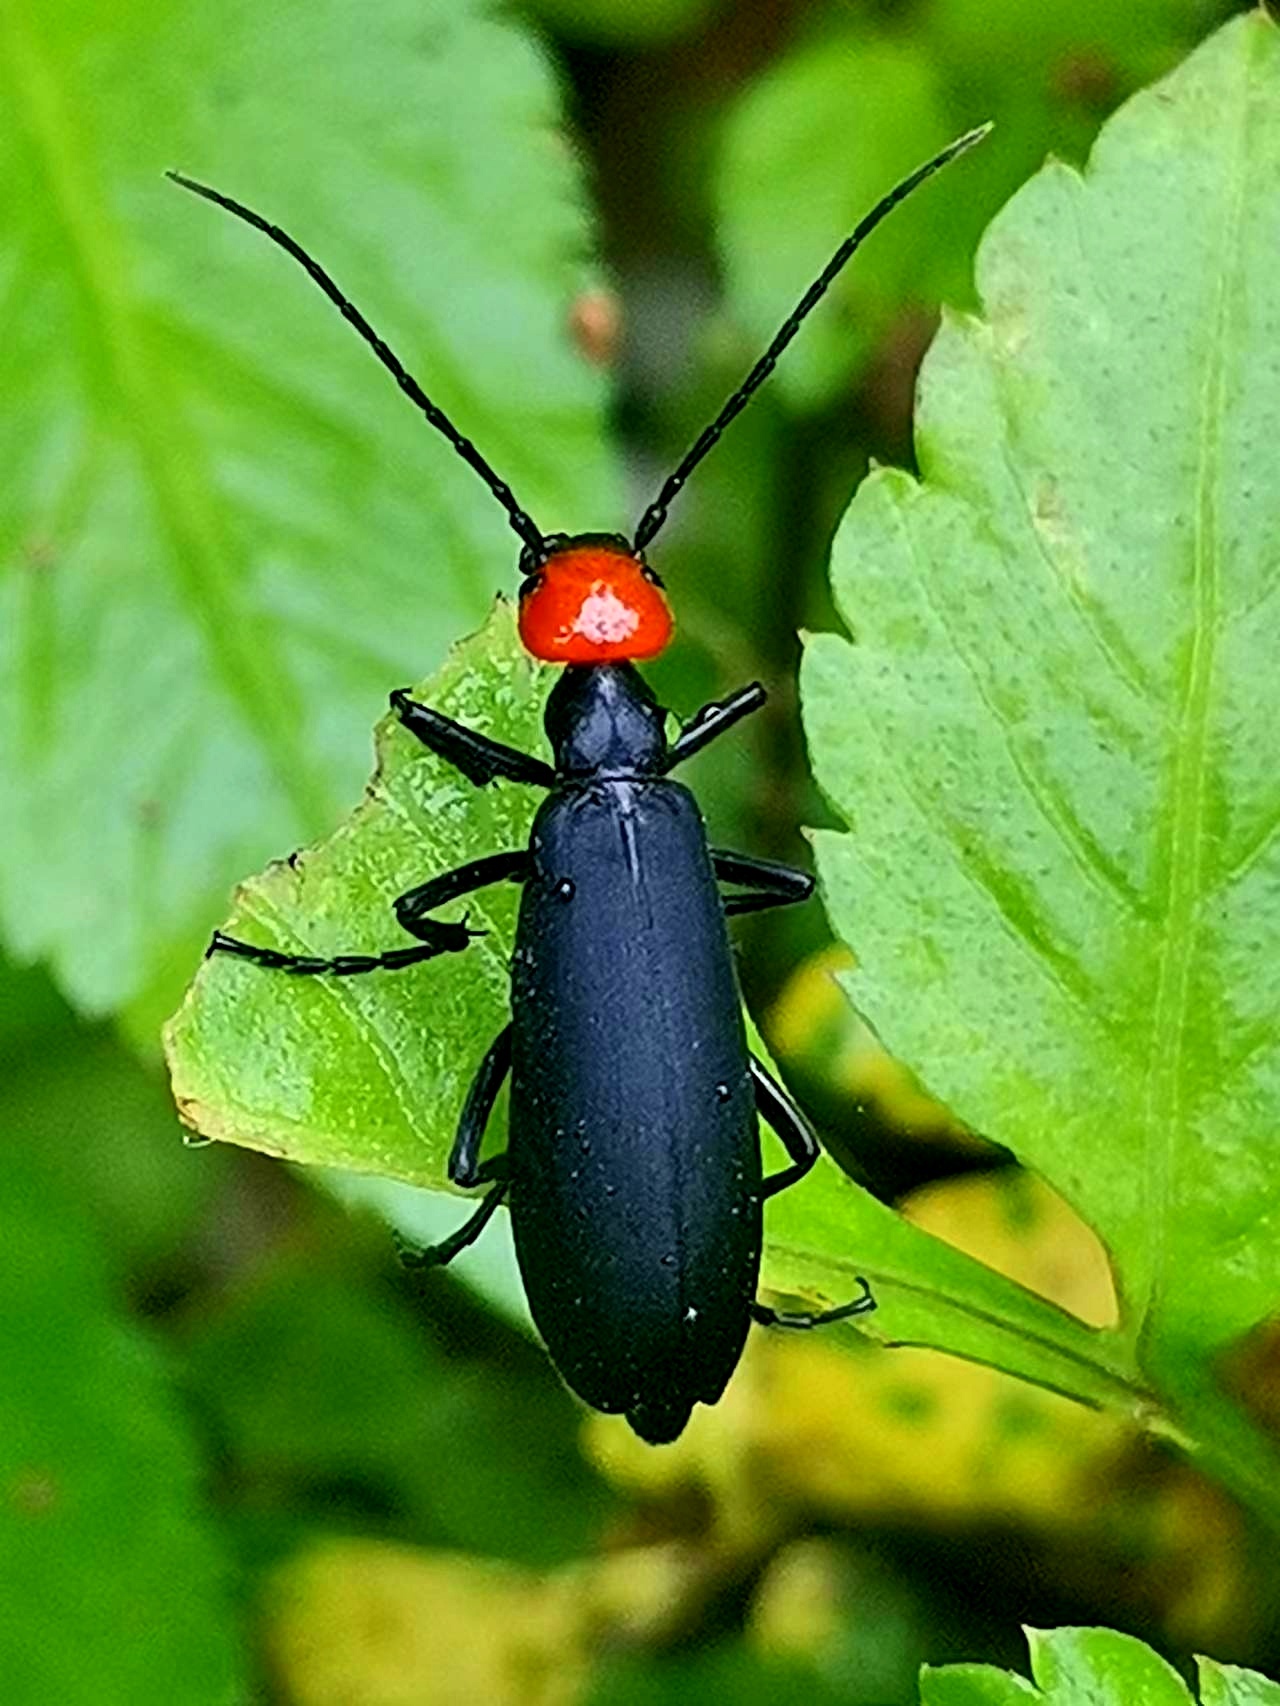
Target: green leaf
[(1050, 735), (1228, 1685), (620, 23), (223, 536), (112, 1589), (973, 1685), (1081, 1667), (845, 117), (1093, 1667), (370, 1073)]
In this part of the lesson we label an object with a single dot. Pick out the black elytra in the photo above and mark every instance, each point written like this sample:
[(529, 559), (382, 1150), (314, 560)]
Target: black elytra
[(632, 1169)]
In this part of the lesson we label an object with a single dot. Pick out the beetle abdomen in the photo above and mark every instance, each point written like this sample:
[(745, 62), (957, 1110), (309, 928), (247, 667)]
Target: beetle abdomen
[(634, 1147)]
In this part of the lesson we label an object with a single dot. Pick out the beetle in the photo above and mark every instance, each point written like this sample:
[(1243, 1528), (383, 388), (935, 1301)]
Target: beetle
[(633, 1169)]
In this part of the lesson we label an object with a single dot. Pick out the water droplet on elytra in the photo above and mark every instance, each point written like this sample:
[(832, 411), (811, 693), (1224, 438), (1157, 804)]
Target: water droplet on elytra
[(723, 1092), (564, 889)]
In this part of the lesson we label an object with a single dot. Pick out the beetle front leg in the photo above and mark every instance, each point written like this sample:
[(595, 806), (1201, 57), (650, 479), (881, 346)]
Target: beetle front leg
[(713, 720), (480, 759)]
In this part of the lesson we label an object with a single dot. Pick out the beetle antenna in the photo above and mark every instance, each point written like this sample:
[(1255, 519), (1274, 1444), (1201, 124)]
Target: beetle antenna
[(656, 514), (523, 524)]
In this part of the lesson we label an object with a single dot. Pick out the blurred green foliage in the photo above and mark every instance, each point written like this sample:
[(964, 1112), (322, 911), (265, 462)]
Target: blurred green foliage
[(241, 1456)]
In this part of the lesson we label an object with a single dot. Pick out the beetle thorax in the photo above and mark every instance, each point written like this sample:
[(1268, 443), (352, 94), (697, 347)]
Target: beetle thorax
[(602, 719)]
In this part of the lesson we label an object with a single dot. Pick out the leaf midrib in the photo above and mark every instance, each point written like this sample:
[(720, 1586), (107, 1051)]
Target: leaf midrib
[(1165, 1113), (198, 560)]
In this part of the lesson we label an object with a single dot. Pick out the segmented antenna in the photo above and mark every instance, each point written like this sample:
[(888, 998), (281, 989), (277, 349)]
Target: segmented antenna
[(523, 524), (656, 514)]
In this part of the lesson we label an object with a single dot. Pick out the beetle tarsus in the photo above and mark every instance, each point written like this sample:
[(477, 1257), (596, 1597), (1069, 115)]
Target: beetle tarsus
[(337, 965), (803, 1320), (441, 1254)]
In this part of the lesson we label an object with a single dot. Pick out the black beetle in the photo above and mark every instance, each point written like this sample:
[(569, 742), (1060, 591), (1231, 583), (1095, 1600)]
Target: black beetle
[(632, 1170)]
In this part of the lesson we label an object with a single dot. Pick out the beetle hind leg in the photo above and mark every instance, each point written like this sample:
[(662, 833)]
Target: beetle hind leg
[(784, 1116), (465, 1166), (441, 1254), (803, 1320)]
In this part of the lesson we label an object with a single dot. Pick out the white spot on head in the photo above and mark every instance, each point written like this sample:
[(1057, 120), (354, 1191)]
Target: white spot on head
[(604, 619)]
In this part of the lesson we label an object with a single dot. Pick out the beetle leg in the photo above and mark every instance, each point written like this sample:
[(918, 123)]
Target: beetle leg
[(412, 907), (435, 935), (779, 1111), (713, 720), (441, 1254), (343, 965), (465, 1166), (480, 759), (764, 1316), (775, 884)]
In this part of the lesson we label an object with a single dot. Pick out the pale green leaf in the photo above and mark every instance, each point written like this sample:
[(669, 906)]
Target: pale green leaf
[(223, 534), (1051, 733), (973, 1685), (1229, 1685), (370, 1072), (1093, 1667)]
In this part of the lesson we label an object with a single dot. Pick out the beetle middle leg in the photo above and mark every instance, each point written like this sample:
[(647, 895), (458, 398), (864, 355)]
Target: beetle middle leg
[(465, 1165), (441, 1254), (436, 936), (779, 1111), (773, 884)]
